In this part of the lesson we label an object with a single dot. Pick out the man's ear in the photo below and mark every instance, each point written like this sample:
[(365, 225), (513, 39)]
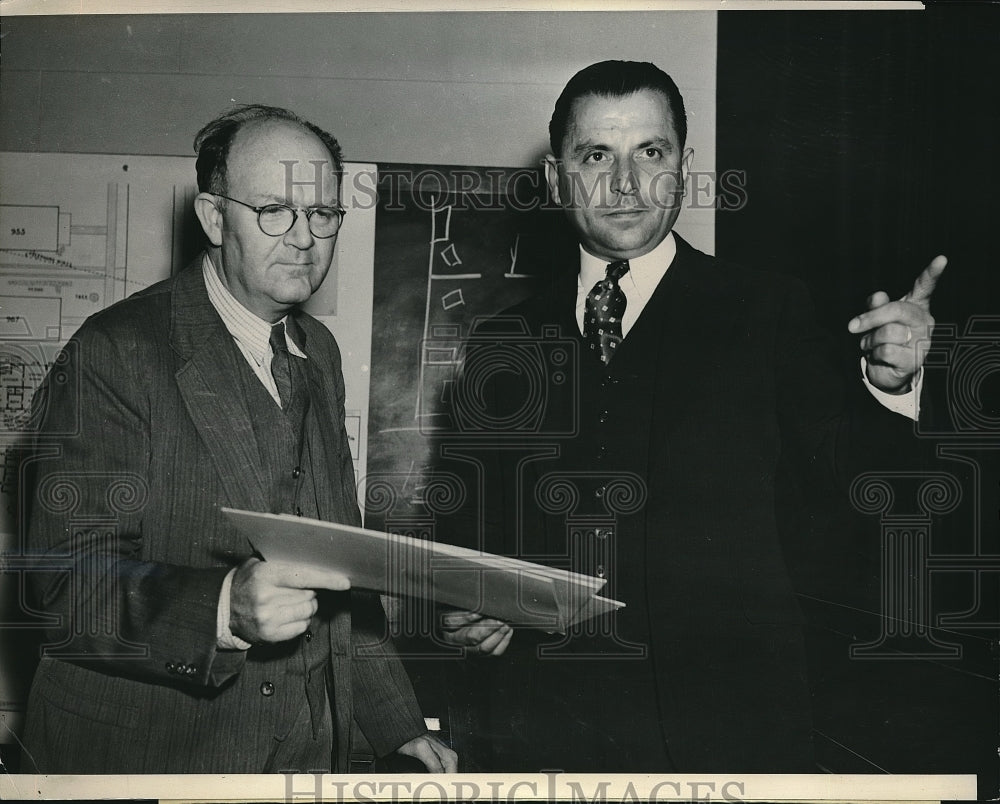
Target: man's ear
[(209, 216), (686, 159), (552, 177)]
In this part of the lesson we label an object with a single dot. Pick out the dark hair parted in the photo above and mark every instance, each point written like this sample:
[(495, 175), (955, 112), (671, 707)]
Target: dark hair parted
[(213, 142), (615, 79)]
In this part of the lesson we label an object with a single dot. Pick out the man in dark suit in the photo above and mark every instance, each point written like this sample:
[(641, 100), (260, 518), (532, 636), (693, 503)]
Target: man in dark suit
[(172, 648), (655, 462)]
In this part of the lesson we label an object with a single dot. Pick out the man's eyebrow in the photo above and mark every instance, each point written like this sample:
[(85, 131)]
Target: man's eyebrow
[(274, 198), (588, 145), (591, 145), (659, 142)]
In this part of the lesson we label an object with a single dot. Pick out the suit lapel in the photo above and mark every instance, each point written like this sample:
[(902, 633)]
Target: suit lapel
[(209, 383), (681, 314), (684, 328), (558, 304), (688, 325), (324, 397), (323, 393)]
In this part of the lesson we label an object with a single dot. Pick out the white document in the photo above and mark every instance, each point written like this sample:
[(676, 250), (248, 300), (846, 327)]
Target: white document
[(519, 592)]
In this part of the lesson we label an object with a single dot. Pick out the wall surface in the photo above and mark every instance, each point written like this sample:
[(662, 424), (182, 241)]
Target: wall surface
[(430, 88)]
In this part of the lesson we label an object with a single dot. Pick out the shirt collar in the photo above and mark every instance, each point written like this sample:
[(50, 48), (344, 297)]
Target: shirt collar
[(644, 273), (252, 332)]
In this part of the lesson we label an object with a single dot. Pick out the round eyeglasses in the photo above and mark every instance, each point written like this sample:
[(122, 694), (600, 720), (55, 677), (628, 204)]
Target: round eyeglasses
[(275, 220)]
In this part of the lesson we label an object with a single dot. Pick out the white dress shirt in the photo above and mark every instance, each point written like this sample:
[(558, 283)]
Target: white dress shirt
[(251, 333), (644, 274)]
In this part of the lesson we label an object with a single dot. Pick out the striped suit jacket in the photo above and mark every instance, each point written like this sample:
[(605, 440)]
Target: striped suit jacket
[(145, 436)]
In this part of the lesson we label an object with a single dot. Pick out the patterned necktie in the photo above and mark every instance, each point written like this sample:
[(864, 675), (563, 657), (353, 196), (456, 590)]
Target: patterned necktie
[(602, 319), (280, 367)]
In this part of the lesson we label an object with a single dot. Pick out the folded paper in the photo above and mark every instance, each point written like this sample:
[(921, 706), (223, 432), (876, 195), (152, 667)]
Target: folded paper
[(519, 592)]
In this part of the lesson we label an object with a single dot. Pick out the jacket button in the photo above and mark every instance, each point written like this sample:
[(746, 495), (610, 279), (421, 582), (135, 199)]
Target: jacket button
[(191, 669), (296, 472), (308, 636), (298, 511), (267, 689), (604, 416), (171, 667), (600, 571)]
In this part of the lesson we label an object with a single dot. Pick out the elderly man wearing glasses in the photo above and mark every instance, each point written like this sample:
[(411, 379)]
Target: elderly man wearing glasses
[(174, 649)]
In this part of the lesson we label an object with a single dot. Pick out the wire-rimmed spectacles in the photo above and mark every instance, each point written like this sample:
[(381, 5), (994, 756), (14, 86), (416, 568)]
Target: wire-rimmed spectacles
[(275, 220)]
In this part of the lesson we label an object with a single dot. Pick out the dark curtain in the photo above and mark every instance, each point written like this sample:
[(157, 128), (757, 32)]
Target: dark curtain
[(868, 143)]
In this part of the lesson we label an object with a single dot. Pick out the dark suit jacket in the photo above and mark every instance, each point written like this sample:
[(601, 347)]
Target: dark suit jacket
[(677, 446), (146, 435)]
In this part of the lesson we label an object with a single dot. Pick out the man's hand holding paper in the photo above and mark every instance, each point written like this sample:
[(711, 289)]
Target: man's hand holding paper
[(475, 633), (502, 592), (274, 601)]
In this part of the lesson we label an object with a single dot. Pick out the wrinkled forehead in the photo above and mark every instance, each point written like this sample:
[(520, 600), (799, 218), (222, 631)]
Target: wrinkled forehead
[(279, 160), (645, 109)]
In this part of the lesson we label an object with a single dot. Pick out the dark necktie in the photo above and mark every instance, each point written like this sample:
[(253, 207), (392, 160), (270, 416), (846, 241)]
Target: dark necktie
[(602, 318), (280, 368)]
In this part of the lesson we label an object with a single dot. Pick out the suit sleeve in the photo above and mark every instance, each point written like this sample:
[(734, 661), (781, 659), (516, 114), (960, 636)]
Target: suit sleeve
[(836, 427), (385, 705), (89, 495)]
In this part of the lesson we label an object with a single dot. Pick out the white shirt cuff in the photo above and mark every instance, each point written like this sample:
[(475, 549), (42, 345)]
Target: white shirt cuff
[(225, 638), (907, 404)]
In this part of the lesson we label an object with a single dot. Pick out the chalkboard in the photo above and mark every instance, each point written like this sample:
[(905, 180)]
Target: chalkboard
[(452, 244)]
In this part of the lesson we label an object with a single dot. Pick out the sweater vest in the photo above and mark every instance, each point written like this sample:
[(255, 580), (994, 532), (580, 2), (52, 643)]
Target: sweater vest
[(297, 473)]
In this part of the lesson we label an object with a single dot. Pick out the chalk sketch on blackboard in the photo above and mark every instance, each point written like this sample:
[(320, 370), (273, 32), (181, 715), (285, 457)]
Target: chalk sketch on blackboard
[(452, 299), (443, 259), (450, 256), (447, 223), (511, 273)]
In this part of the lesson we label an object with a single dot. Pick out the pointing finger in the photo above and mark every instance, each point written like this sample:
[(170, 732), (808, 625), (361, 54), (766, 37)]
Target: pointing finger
[(905, 313), (300, 576), (924, 285)]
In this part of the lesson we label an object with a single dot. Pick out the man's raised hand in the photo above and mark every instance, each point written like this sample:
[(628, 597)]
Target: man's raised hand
[(895, 335)]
